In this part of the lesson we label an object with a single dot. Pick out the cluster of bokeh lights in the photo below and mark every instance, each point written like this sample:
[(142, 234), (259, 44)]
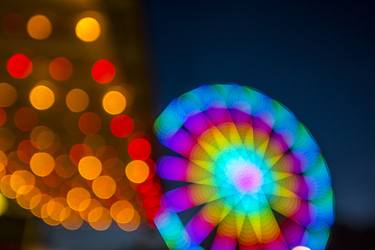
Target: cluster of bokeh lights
[(65, 155), (253, 173)]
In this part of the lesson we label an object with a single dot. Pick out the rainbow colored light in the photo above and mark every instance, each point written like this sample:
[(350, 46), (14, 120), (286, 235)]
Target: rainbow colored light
[(252, 174)]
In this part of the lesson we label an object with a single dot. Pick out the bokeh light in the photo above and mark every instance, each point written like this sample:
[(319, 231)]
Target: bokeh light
[(42, 164), (114, 102), (41, 97), (88, 29), (122, 211), (39, 27), (137, 171), (19, 66), (121, 126), (78, 198), (103, 71), (89, 123), (104, 187), (90, 167), (239, 155), (42, 137), (22, 181), (8, 95), (77, 100), (25, 119), (139, 149), (60, 69)]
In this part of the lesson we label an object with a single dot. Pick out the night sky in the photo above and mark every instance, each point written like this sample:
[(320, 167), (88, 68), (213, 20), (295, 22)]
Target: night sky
[(316, 58)]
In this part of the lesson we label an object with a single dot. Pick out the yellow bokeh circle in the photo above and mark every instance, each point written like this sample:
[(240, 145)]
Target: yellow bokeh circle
[(41, 97), (114, 102), (77, 100), (89, 167), (137, 171), (42, 164), (88, 29), (39, 27)]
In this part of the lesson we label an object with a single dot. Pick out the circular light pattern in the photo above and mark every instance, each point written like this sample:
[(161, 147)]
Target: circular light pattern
[(139, 149), (103, 71), (8, 95), (39, 27), (89, 123), (60, 69), (42, 164), (253, 170), (77, 100), (121, 126), (122, 211), (25, 119), (19, 66), (114, 102), (137, 171), (89, 167), (104, 187), (42, 137), (78, 199), (88, 29), (42, 97)]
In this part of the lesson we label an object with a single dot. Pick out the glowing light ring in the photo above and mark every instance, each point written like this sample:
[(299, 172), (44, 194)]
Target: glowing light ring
[(254, 173)]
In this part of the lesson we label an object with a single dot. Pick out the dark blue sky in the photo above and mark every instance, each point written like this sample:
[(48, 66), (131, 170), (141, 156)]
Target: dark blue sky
[(316, 58)]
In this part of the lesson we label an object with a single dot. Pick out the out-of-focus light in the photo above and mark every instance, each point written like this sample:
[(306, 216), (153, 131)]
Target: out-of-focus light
[(139, 149), (114, 102), (3, 205), (99, 218), (72, 222), (133, 224), (89, 167), (88, 29), (39, 27), (5, 187), (89, 123), (78, 151), (104, 187), (137, 171), (301, 248), (42, 97), (3, 116), (64, 167), (42, 137), (122, 211), (19, 66), (103, 71), (25, 151), (8, 95), (25, 119), (60, 69), (77, 100), (78, 199), (121, 126), (42, 164), (22, 181)]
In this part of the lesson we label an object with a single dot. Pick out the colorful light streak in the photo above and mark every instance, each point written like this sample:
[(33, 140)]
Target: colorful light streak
[(254, 173)]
